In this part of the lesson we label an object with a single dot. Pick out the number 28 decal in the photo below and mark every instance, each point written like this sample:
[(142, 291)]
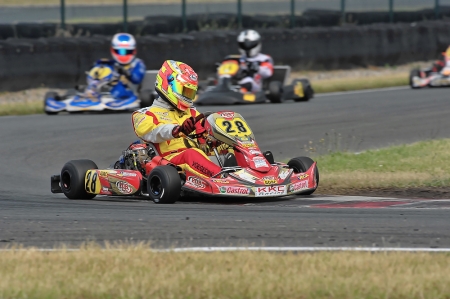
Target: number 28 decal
[(236, 127), (92, 182)]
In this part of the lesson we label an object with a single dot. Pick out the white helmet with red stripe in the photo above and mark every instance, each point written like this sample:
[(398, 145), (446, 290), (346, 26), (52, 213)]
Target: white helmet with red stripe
[(123, 48), (249, 43)]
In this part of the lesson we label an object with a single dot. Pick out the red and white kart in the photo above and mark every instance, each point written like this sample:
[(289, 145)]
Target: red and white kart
[(142, 172)]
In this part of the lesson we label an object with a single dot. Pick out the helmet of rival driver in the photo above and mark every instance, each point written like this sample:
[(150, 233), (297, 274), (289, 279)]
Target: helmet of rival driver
[(177, 83), (249, 43), (123, 48)]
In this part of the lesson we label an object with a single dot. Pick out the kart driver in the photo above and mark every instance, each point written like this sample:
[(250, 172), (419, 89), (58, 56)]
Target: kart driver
[(259, 66), (130, 70), (443, 62), (172, 115)]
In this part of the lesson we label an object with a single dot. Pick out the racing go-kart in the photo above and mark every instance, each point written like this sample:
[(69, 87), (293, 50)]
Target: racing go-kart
[(227, 91), (140, 171), (96, 95), (429, 78)]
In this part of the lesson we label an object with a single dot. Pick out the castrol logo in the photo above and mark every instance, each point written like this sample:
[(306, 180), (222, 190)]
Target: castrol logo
[(234, 190)]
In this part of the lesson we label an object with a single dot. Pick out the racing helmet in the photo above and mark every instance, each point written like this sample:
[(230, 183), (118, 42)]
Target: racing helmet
[(177, 83), (249, 42), (123, 48)]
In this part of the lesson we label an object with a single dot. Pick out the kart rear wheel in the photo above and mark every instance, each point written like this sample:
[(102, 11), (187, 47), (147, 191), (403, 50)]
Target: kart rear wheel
[(164, 185), (72, 179), (412, 74), (308, 92), (275, 92), (53, 95), (302, 164)]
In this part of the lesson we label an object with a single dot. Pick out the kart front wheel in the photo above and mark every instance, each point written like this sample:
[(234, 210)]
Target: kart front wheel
[(412, 74), (302, 164), (51, 95), (72, 179), (164, 185)]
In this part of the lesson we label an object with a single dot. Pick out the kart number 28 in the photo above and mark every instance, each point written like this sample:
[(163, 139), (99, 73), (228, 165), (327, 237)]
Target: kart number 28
[(235, 127), (92, 182)]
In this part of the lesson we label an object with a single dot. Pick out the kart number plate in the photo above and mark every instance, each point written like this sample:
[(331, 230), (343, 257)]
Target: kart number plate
[(249, 97), (236, 127), (230, 68), (298, 90)]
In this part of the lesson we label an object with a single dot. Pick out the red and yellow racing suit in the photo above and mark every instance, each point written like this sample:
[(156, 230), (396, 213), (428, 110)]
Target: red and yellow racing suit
[(155, 124)]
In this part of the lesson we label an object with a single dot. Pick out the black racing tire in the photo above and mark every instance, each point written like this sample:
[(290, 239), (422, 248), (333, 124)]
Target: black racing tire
[(147, 97), (275, 94), (307, 90), (164, 185), (72, 179), (412, 74), (51, 94), (302, 164)]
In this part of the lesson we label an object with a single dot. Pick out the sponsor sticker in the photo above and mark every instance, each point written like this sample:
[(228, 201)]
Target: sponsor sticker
[(299, 186), (302, 176), (227, 114), (269, 180), (196, 182), (270, 191), (254, 152), (124, 187), (202, 168), (246, 176), (260, 162), (123, 173), (233, 190), (220, 181), (284, 174)]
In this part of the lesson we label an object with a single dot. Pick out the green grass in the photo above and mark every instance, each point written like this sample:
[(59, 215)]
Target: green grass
[(421, 164), (136, 272), (22, 108), (349, 84)]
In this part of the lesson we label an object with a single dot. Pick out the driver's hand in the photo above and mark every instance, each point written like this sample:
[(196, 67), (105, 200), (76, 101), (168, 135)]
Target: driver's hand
[(253, 67), (186, 128)]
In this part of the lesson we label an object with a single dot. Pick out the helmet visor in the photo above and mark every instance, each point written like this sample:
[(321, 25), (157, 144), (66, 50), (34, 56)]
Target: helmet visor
[(123, 52), (189, 92)]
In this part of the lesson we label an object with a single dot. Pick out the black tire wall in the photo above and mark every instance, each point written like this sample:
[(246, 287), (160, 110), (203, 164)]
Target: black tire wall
[(62, 62)]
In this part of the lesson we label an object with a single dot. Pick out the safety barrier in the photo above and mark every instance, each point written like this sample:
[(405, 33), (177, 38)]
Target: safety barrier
[(199, 22), (62, 62)]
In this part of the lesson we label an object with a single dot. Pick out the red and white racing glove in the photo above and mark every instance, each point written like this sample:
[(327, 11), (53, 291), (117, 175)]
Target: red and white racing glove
[(186, 128)]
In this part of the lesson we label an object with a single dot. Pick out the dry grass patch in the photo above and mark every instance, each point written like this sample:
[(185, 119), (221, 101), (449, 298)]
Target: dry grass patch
[(421, 164), (136, 272)]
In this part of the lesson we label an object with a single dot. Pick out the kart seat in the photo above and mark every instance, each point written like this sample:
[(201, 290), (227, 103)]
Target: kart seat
[(281, 73)]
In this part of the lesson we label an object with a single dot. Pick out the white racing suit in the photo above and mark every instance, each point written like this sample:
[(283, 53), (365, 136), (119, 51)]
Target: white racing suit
[(265, 71)]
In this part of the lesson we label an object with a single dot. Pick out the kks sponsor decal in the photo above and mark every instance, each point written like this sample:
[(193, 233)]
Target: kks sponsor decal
[(260, 162), (196, 182), (124, 187), (299, 186), (270, 190), (227, 114), (232, 190)]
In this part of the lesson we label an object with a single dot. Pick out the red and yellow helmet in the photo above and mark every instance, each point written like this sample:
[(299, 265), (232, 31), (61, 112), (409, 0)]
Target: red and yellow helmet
[(177, 83)]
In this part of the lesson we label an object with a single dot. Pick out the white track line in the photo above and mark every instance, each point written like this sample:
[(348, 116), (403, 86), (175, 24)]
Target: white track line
[(265, 249), (329, 94)]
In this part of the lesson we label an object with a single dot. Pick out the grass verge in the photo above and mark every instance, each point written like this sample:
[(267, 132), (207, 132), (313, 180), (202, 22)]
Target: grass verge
[(421, 164), (22, 108), (349, 84), (136, 272)]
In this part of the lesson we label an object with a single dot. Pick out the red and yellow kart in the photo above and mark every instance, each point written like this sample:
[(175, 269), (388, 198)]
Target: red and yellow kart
[(245, 170)]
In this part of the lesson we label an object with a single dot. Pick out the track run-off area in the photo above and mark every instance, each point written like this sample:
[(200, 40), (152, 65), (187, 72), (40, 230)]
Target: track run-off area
[(35, 147)]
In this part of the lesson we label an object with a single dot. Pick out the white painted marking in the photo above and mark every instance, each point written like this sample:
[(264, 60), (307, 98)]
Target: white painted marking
[(265, 249), (329, 94)]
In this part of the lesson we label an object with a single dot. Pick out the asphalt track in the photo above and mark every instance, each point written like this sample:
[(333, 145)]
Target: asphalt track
[(34, 147)]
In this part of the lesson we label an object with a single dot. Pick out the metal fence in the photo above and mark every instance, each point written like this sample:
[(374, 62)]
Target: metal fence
[(107, 11)]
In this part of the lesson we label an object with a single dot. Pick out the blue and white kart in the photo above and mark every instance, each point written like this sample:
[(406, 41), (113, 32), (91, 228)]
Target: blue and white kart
[(105, 91)]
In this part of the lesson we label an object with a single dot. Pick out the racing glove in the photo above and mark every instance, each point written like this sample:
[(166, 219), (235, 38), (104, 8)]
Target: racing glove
[(186, 128)]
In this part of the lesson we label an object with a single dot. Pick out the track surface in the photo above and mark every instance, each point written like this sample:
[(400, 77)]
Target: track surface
[(34, 147)]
